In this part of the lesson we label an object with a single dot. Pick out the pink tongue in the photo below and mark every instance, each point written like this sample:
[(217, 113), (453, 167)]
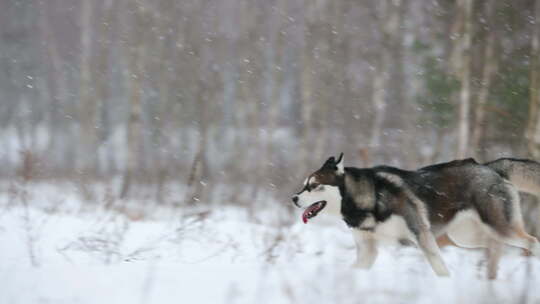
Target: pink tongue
[(305, 214), (304, 217)]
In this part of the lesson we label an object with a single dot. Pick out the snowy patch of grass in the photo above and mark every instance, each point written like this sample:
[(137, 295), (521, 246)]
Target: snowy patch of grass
[(224, 254)]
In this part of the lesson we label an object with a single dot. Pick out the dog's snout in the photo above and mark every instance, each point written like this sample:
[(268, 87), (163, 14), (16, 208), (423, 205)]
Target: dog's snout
[(295, 200)]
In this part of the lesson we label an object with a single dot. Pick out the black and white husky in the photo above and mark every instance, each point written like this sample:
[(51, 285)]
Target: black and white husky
[(424, 204)]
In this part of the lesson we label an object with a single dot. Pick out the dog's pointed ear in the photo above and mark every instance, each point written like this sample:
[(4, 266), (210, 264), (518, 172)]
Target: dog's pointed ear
[(339, 164), (330, 162)]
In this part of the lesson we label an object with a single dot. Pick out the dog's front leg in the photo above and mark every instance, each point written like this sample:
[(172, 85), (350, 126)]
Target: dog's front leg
[(493, 254), (428, 244), (366, 248)]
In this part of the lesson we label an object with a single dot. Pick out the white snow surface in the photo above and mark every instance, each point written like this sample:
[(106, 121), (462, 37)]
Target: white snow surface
[(224, 254)]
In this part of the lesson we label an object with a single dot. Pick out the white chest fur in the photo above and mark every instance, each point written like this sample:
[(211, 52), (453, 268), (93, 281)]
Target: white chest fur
[(393, 229)]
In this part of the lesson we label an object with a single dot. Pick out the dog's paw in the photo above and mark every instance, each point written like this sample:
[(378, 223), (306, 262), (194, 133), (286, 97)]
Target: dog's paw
[(361, 265), (442, 272), (535, 250)]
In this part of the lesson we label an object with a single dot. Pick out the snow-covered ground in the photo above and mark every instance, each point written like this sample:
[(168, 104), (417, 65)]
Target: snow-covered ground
[(79, 253)]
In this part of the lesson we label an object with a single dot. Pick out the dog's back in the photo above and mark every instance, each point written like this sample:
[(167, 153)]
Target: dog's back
[(448, 188)]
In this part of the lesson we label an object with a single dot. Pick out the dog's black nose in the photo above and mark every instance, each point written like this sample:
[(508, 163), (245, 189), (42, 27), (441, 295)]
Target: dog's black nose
[(295, 200)]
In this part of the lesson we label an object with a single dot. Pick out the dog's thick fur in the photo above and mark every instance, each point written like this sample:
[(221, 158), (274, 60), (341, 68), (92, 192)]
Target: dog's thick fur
[(424, 204), (524, 174)]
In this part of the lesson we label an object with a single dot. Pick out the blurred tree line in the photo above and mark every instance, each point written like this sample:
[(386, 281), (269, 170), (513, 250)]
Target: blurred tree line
[(259, 92)]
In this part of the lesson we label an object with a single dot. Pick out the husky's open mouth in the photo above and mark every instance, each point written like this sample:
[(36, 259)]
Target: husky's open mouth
[(313, 210)]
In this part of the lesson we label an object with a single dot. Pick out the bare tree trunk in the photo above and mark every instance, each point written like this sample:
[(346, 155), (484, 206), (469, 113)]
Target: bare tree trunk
[(87, 106), (306, 97), (465, 76), (271, 85), (136, 66), (532, 132), (389, 21), (195, 183), (58, 92), (378, 93), (489, 69), (164, 112), (379, 106), (101, 81), (87, 103), (399, 99)]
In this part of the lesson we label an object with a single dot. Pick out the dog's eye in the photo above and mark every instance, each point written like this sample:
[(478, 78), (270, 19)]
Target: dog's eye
[(312, 187), (318, 187)]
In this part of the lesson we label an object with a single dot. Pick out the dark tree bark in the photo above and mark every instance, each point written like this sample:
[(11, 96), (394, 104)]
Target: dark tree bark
[(466, 6), (489, 69), (137, 57), (532, 131)]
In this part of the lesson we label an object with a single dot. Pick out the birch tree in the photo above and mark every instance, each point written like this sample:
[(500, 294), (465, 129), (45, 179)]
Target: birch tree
[(466, 6), (102, 79), (87, 104), (489, 69), (58, 91), (86, 156), (532, 131), (389, 22), (137, 56)]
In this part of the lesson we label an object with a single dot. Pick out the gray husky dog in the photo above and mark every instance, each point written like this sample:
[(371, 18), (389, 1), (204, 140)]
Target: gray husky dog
[(421, 205)]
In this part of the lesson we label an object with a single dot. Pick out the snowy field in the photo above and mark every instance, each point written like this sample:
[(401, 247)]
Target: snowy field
[(56, 249)]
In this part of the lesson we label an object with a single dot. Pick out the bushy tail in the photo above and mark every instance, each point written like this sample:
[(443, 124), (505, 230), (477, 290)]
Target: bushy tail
[(524, 174)]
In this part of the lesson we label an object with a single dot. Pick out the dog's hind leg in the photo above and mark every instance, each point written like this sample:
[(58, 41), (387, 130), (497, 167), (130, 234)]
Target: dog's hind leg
[(507, 222), (509, 229), (366, 248), (428, 244), (444, 240), (519, 238)]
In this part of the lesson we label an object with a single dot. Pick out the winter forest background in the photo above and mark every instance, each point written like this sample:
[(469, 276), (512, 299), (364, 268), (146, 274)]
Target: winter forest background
[(260, 92), (196, 103)]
